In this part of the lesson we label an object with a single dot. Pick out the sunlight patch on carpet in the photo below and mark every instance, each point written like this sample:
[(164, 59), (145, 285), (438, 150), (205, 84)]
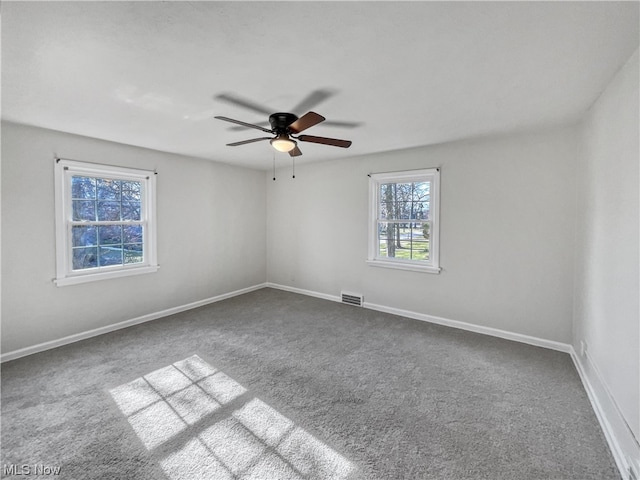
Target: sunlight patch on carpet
[(249, 440)]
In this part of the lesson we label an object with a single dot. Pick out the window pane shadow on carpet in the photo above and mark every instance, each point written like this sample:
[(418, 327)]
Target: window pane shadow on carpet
[(202, 424)]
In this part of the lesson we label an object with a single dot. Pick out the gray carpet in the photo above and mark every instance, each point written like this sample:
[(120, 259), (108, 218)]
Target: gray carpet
[(273, 385)]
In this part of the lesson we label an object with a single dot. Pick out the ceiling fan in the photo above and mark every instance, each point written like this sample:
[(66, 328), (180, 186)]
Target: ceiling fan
[(284, 126)]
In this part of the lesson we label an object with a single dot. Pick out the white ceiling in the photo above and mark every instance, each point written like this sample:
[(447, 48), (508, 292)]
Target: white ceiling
[(409, 74)]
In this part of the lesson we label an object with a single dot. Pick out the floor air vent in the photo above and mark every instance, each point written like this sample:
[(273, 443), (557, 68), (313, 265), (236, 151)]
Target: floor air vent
[(352, 298)]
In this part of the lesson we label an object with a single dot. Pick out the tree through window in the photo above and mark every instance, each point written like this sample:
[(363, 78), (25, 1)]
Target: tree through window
[(107, 226), (404, 220)]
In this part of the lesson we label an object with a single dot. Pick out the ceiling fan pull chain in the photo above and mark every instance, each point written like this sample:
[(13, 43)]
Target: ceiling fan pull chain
[(274, 166), (294, 167)]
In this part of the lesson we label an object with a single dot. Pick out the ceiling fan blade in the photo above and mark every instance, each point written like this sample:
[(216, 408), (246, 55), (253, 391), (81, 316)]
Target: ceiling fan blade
[(241, 102), (313, 99), (325, 141), (244, 124), (242, 129), (334, 123), (243, 142), (295, 152), (307, 120)]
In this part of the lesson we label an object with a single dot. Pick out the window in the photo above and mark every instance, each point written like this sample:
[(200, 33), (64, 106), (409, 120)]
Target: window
[(403, 220), (105, 222)]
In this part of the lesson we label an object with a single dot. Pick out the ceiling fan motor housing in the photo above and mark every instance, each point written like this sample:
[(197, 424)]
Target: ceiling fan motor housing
[(280, 121)]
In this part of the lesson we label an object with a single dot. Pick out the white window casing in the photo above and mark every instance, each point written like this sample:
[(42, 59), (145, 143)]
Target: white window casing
[(64, 171), (375, 258)]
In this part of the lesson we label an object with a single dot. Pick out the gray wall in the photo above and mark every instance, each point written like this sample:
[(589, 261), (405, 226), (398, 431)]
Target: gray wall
[(211, 237), (607, 310), (507, 232)]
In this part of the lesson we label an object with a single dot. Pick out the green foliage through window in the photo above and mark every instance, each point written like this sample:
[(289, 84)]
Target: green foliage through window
[(404, 220)]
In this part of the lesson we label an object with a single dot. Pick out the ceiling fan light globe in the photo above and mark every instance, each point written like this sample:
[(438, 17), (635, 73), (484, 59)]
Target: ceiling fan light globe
[(282, 143)]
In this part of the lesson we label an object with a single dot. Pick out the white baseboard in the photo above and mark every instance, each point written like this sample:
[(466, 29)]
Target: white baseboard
[(494, 332), (310, 293), (622, 443), (23, 352)]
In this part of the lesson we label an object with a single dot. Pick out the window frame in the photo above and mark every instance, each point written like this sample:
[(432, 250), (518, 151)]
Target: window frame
[(409, 176), (64, 170)]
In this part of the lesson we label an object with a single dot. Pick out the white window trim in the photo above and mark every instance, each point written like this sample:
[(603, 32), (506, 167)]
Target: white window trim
[(65, 275), (375, 180)]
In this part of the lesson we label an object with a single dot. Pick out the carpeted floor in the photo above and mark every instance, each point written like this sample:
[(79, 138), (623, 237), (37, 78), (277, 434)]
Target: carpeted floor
[(274, 385)]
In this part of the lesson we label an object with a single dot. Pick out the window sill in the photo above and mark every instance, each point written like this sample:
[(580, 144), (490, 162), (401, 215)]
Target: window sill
[(404, 266), (93, 277)]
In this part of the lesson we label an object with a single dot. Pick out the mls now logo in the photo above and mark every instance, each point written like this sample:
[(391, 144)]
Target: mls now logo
[(30, 469)]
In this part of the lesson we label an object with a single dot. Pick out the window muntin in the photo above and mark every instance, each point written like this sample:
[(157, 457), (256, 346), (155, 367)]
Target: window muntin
[(404, 220), (105, 221)]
